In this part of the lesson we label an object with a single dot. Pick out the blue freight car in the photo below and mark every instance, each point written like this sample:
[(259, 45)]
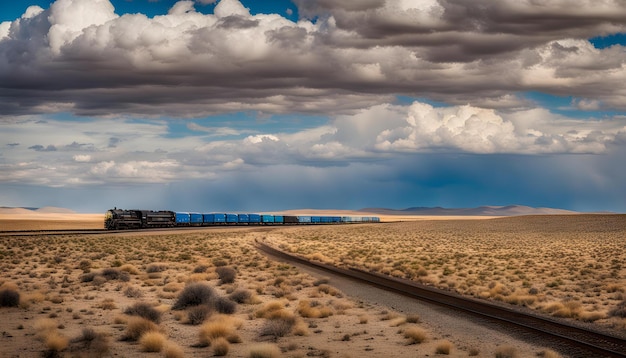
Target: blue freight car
[(195, 219), (254, 218), (267, 219), (243, 218), (279, 219), (182, 219), (232, 218), (304, 219)]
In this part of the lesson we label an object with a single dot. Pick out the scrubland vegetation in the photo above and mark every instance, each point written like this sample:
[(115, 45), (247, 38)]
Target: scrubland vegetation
[(210, 293), (179, 294), (572, 267)]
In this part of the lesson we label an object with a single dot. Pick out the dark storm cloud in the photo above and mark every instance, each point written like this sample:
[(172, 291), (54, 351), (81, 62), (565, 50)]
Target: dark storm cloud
[(83, 58), (41, 148)]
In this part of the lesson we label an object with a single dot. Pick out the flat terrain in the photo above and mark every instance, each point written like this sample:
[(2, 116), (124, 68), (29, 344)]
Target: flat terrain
[(570, 266), (204, 293)]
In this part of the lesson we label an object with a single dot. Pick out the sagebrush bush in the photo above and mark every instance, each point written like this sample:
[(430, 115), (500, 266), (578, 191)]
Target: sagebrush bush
[(226, 274), (194, 294), (619, 310), (9, 298), (224, 305), (144, 310), (156, 267), (115, 274), (198, 314), (278, 324), (96, 342), (240, 295)]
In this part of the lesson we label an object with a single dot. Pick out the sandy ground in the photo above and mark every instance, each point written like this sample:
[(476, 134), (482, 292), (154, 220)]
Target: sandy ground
[(65, 295)]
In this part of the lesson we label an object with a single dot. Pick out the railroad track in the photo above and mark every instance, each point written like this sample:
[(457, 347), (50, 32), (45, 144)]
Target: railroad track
[(576, 341)]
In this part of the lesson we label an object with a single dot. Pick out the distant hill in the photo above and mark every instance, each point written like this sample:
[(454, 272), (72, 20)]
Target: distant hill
[(47, 209), (510, 210)]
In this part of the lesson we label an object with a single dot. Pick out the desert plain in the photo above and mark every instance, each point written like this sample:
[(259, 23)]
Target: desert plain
[(209, 292)]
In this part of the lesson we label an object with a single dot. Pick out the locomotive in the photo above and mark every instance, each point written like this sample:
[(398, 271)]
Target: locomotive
[(119, 219)]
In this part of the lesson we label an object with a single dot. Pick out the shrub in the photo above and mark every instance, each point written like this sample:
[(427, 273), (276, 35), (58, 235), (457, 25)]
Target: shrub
[(443, 347), (144, 310), (264, 350), (131, 269), (97, 342), (172, 350), (224, 305), (279, 324), (136, 327), (152, 268), (115, 274), (619, 310), (9, 298), (220, 346), (310, 310), (506, 352), (213, 330), (133, 292), (55, 341), (240, 295), (194, 294), (198, 314), (413, 318), (200, 268), (226, 274), (87, 277), (152, 341), (415, 335)]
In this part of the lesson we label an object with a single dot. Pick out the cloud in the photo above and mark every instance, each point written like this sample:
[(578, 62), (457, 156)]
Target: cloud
[(79, 56)]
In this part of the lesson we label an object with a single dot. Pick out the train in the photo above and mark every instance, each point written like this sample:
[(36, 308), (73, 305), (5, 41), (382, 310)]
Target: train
[(120, 219)]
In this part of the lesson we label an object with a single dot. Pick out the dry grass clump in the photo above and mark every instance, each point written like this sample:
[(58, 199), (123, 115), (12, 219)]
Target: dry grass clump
[(264, 350), (173, 350), (220, 346), (138, 326), (144, 310), (443, 347), (152, 341), (220, 327), (54, 341), (131, 269), (313, 309), (415, 335), (619, 310)]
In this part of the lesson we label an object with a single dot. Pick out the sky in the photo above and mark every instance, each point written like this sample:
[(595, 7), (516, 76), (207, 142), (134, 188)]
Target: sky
[(228, 105)]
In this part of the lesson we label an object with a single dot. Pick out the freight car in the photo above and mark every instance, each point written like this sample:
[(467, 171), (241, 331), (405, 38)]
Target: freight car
[(117, 219)]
